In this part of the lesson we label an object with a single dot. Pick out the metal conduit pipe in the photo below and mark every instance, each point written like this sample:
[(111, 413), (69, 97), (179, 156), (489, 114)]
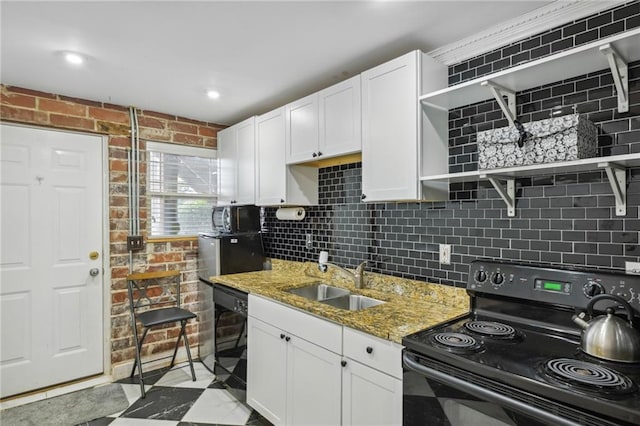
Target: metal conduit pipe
[(133, 169), (137, 174)]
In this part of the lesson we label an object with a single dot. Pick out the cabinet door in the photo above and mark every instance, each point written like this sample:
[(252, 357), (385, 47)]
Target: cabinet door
[(313, 384), (340, 118), (266, 370), (271, 178), (302, 129), (227, 167), (246, 166), (370, 397), (390, 130)]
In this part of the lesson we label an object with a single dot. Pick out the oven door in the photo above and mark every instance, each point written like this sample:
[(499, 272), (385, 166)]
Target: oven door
[(438, 394)]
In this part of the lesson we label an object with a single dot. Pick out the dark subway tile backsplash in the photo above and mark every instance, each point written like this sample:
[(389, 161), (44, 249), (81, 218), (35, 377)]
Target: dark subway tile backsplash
[(561, 220)]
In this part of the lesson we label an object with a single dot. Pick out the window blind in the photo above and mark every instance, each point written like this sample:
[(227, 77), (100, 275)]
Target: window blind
[(182, 187)]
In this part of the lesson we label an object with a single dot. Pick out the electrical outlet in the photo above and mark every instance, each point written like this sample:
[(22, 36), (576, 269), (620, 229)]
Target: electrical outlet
[(445, 254), (135, 242), (632, 268), (309, 241)]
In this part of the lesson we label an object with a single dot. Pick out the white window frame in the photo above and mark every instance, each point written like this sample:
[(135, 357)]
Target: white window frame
[(180, 150)]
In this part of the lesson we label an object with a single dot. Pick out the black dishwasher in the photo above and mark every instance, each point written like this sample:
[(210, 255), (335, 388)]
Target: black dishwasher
[(230, 339)]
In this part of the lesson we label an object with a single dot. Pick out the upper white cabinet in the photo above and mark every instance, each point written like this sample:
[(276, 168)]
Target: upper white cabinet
[(236, 164), (325, 124), (340, 118), (392, 125), (302, 129), (277, 183)]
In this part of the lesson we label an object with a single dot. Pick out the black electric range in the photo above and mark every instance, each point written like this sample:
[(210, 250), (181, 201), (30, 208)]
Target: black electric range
[(519, 350)]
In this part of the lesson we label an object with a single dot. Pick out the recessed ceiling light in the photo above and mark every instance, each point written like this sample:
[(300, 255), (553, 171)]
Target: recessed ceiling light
[(74, 58), (213, 94)]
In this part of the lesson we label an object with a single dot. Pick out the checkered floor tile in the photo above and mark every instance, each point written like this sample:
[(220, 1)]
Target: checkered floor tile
[(173, 399)]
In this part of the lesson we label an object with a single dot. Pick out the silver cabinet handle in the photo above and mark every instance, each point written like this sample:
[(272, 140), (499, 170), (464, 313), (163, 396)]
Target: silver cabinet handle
[(94, 272)]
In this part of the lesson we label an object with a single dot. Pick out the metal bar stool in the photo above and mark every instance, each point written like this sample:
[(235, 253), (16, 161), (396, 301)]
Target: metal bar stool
[(151, 307)]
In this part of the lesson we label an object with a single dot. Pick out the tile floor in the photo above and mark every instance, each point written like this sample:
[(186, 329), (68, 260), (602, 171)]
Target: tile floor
[(173, 399)]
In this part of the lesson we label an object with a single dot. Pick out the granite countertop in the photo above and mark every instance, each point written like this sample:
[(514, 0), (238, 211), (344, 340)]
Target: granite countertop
[(410, 305)]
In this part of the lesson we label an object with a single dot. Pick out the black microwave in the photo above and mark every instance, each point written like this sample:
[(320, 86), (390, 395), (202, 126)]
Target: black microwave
[(236, 219)]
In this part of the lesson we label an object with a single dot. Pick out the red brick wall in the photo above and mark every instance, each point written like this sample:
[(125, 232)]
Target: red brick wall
[(61, 112)]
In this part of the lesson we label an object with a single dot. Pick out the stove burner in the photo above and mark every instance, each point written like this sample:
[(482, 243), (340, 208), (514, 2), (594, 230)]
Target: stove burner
[(491, 328), (456, 342), (589, 376)]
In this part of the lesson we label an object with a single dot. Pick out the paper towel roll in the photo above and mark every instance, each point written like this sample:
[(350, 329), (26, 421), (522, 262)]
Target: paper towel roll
[(290, 213)]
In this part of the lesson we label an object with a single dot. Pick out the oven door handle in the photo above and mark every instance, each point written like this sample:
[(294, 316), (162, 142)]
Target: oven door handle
[(483, 393)]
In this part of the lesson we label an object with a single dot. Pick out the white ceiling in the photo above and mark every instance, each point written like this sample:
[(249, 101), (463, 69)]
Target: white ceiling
[(164, 56)]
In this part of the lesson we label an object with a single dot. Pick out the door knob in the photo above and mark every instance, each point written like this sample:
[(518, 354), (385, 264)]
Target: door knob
[(94, 272)]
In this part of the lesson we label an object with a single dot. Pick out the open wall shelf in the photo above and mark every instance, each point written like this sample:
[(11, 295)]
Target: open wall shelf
[(570, 63), (504, 179), (613, 52)]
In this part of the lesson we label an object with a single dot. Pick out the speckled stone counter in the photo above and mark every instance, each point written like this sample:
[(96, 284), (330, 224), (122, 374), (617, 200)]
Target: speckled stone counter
[(410, 305)]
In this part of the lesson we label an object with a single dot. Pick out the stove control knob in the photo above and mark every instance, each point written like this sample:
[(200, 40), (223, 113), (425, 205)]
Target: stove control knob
[(592, 288), (481, 276), (497, 279)]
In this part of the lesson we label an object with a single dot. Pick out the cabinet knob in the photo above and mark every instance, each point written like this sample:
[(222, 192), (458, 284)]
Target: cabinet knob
[(363, 196), (343, 363), (319, 153), (282, 336), (314, 155), (282, 200), (369, 349), (287, 338)]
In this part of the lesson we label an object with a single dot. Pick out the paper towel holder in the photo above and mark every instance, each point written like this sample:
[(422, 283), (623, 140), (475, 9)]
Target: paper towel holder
[(290, 213)]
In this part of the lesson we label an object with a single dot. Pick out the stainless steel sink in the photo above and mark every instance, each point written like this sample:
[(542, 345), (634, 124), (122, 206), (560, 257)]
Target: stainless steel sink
[(319, 291), (353, 302)]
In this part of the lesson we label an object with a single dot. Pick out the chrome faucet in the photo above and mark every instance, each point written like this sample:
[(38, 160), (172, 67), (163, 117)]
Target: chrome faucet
[(357, 276)]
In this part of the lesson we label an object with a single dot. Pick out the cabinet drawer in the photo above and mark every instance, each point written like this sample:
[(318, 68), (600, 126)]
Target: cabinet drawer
[(377, 353), (316, 330)]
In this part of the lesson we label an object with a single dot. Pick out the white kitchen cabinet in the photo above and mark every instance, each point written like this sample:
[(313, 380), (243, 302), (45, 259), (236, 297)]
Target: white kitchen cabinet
[(371, 380), (266, 370), (277, 183), (294, 365), (226, 166), (340, 118), (313, 384), (236, 164), (392, 127), (370, 397), (302, 129), (325, 124)]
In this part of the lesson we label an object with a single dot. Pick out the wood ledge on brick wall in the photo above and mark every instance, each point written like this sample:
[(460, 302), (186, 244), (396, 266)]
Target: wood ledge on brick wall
[(171, 239)]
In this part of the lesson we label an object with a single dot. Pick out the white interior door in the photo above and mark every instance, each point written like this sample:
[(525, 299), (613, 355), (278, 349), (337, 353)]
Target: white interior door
[(51, 279)]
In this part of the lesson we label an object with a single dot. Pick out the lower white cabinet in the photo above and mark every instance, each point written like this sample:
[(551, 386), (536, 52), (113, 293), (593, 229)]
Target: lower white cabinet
[(371, 380), (303, 370), (313, 383), (266, 370), (291, 381), (370, 397)]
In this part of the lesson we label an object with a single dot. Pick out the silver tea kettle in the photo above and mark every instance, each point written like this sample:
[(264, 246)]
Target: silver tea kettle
[(608, 336)]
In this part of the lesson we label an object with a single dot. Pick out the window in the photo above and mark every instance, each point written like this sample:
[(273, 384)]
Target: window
[(182, 186)]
